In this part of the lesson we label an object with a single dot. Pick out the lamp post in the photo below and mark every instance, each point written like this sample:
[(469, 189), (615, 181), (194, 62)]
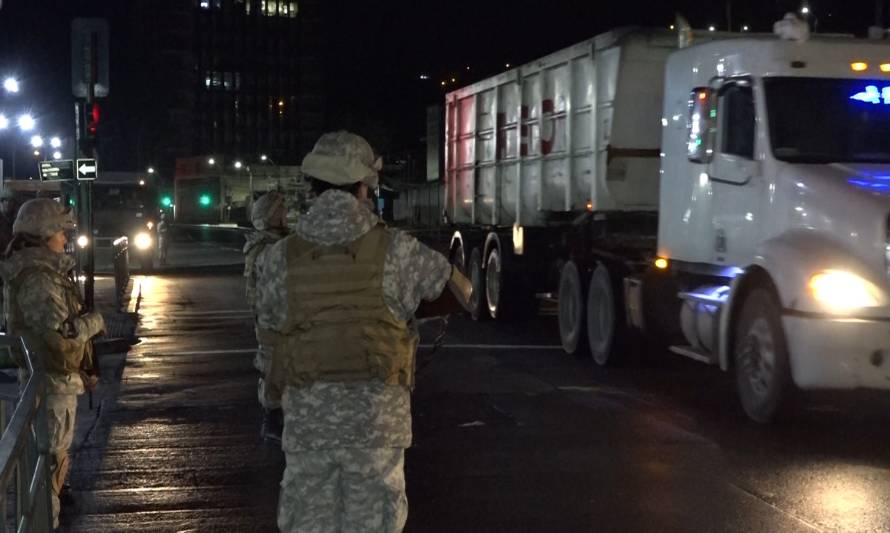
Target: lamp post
[(249, 203)]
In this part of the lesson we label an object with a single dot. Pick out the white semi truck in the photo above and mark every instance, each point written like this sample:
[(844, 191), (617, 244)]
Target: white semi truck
[(730, 198)]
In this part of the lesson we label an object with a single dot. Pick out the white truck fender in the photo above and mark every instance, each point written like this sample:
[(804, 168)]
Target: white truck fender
[(789, 261)]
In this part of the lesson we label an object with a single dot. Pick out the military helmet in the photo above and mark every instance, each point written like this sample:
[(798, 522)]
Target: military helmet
[(43, 217), (268, 211), (343, 158)]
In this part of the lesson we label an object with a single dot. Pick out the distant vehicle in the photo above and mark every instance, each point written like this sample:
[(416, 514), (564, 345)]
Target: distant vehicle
[(126, 208), (729, 199)]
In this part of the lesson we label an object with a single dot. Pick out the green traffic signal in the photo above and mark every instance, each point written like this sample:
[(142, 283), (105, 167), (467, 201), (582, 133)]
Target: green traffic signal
[(166, 201), (205, 200)]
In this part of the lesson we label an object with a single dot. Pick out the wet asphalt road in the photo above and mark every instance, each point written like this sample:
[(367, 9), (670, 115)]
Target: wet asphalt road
[(510, 435)]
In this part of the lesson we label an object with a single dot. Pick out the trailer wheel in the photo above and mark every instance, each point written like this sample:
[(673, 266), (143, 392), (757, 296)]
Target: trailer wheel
[(760, 356), (493, 282), (604, 326), (571, 308), (477, 278)]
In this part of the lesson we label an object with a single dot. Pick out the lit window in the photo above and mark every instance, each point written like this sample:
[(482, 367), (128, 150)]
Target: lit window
[(247, 6), (292, 10)]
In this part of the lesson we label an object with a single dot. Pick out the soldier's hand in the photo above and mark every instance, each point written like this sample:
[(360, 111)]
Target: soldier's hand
[(95, 323)]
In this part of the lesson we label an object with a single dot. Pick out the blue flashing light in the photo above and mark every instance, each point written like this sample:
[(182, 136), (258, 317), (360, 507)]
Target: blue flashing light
[(872, 186), (871, 95), (730, 272)]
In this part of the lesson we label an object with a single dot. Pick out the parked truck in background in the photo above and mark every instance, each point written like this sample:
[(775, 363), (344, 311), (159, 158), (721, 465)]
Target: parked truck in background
[(729, 199)]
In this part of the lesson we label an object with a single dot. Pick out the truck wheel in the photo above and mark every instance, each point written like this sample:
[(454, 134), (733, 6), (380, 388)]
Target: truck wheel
[(493, 282), (477, 278), (571, 309), (760, 354), (604, 325)]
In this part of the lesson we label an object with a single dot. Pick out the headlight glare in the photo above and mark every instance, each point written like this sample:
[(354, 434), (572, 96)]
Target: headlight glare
[(839, 290), (142, 241)]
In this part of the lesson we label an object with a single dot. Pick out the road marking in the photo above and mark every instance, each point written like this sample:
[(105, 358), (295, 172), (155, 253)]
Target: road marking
[(208, 313), (204, 352), (494, 346)]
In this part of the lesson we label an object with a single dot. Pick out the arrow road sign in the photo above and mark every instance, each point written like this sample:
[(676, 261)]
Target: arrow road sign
[(62, 169), (86, 169)]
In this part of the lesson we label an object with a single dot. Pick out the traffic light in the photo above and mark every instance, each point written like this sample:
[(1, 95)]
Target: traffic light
[(89, 127), (205, 200), (166, 201)]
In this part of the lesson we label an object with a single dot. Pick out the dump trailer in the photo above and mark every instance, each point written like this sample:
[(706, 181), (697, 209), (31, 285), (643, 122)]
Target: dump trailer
[(531, 152), (727, 200)]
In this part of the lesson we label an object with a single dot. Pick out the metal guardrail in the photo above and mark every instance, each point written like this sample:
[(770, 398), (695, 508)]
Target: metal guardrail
[(120, 257), (24, 446), (121, 260)]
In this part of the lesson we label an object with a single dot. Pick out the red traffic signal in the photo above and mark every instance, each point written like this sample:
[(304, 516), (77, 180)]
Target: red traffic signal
[(92, 119)]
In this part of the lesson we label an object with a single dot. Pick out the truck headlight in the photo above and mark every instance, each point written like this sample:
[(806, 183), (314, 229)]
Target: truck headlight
[(142, 241), (839, 290)]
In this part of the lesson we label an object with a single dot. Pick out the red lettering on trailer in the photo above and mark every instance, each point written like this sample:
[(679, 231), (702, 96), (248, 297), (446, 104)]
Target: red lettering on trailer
[(547, 127)]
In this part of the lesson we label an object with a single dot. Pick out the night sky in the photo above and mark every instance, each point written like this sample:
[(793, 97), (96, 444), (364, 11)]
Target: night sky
[(377, 50)]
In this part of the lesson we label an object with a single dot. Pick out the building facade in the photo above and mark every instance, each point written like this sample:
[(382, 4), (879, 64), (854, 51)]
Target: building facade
[(238, 78)]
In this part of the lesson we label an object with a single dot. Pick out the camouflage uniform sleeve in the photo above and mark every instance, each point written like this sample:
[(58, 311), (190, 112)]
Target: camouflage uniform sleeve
[(270, 291), (45, 309), (412, 272)]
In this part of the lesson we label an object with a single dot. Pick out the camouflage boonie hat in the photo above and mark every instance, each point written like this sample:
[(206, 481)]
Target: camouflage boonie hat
[(43, 217), (343, 158), (268, 211)]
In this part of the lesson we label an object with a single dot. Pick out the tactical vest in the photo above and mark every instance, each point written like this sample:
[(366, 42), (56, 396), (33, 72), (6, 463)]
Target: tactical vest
[(338, 327), (50, 354)]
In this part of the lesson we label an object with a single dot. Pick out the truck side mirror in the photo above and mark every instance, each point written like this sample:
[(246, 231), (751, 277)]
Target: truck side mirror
[(701, 125)]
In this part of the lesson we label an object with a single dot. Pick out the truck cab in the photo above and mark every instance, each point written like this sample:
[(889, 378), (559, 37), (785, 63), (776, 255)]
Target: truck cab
[(773, 214)]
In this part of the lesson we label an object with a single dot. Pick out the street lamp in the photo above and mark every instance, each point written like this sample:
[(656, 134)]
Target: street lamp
[(211, 161), (55, 142), (263, 157), (151, 170), (805, 10), (142, 183), (57, 155), (26, 122), (11, 85), (238, 165), (36, 141)]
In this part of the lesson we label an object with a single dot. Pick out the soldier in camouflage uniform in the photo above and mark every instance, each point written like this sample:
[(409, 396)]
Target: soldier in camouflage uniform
[(342, 292), (43, 305), (268, 216)]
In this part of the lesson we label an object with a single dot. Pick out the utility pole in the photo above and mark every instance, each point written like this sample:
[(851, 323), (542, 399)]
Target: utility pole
[(729, 15)]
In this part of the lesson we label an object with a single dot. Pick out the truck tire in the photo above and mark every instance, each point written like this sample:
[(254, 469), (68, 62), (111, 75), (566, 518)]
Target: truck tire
[(606, 327), (760, 357), (478, 307), (572, 325), (494, 280)]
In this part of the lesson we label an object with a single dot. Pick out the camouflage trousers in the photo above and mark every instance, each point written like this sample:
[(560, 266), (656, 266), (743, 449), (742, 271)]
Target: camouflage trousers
[(265, 393), (60, 412), (343, 490)]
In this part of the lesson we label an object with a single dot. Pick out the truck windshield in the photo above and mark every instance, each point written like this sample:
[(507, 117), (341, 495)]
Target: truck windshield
[(818, 120)]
